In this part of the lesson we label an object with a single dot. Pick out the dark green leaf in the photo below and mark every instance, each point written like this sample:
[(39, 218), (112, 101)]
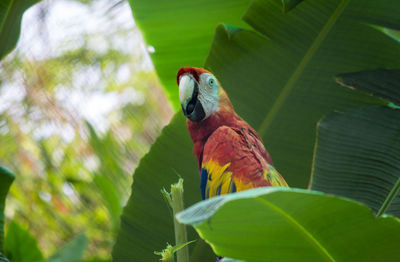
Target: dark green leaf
[(383, 83), (11, 12), (281, 224), (20, 245), (6, 179), (290, 4), (357, 155)]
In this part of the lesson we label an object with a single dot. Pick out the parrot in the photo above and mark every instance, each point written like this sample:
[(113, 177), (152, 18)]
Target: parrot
[(230, 154)]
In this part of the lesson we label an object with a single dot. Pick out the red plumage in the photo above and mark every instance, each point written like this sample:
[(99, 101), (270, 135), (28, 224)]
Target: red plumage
[(226, 144), (194, 71)]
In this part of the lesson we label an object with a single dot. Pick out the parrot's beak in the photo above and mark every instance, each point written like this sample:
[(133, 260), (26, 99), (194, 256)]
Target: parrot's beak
[(188, 95)]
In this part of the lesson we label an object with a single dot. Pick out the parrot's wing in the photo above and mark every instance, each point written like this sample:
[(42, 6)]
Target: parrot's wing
[(232, 161)]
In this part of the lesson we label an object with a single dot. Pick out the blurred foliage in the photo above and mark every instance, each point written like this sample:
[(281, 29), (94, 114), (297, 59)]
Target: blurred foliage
[(20, 245), (72, 251), (6, 179), (76, 115)]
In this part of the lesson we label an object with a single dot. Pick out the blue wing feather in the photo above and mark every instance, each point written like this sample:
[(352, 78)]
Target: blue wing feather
[(203, 182)]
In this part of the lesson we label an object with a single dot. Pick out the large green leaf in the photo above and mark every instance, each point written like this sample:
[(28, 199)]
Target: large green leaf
[(11, 12), (20, 245), (358, 156), (181, 32), (279, 224), (6, 179), (280, 80), (357, 151)]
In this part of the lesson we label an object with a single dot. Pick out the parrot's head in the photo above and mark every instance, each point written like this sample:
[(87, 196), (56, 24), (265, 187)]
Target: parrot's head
[(200, 93)]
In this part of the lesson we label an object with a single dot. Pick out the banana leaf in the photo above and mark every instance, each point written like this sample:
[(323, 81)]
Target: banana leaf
[(357, 152), (281, 224), (11, 12)]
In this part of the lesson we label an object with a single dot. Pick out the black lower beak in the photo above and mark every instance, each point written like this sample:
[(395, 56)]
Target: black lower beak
[(190, 107), (194, 110)]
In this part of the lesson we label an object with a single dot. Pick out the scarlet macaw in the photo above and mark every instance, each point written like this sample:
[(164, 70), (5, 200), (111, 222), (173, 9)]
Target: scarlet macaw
[(230, 153)]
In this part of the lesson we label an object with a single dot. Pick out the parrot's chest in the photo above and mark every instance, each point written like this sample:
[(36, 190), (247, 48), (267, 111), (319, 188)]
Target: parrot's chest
[(233, 161)]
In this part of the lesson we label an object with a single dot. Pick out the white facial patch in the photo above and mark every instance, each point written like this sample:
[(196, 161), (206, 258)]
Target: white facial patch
[(208, 94), (186, 86)]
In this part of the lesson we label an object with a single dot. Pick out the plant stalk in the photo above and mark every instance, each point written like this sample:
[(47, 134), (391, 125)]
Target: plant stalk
[(389, 198), (175, 200)]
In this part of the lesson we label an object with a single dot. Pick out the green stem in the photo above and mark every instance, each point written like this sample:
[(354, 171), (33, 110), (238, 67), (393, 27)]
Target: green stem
[(389, 198), (175, 200)]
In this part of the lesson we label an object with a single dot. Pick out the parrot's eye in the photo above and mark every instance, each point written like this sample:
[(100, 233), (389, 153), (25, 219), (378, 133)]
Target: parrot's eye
[(211, 82)]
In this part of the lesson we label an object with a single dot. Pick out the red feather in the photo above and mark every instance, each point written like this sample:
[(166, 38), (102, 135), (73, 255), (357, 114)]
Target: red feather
[(226, 139), (239, 148), (201, 131), (194, 71)]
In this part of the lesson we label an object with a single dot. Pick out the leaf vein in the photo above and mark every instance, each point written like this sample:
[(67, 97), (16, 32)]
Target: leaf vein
[(298, 226), (300, 68)]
